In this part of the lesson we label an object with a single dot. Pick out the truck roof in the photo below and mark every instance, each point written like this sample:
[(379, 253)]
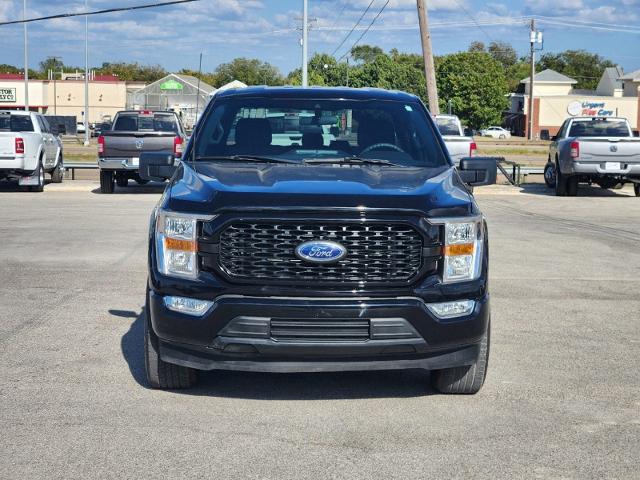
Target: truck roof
[(17, 112), (320, 93), (599, 118)]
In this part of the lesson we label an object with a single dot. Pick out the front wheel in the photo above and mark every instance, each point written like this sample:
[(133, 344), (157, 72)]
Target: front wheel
[(467, 379), (161, 374), (550, 175), (636, 189), (107, 181)]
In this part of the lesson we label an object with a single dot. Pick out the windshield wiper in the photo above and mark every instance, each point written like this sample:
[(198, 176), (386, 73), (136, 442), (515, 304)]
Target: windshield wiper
[(243, 158), (352, 161)]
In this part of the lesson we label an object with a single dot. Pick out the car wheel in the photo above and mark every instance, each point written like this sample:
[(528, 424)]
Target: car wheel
[(636, 189), (122, 181), (467, 379), (107, 181), (58, 172), (161, 374), (40, 186), (561, 182), (550, 174)]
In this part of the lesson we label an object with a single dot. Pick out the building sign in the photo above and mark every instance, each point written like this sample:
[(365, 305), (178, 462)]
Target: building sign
[(588, 109), (8, 95), (171, 85)]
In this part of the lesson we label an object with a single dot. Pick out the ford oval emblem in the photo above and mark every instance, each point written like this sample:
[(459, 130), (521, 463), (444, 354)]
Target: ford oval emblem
[(613, 148), (320, 251), (139, 144)]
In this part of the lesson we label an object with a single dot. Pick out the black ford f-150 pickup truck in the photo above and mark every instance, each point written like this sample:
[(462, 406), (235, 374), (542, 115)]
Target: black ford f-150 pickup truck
[(317, 229)]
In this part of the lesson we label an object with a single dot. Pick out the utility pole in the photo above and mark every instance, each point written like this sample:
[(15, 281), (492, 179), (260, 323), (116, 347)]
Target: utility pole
[(86, 75), (305, 37), (532, 72), (534, 37), (53, 74), (26, 58), (427, 53)]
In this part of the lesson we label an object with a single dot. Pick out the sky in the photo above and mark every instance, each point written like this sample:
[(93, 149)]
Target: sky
[(221, 30)]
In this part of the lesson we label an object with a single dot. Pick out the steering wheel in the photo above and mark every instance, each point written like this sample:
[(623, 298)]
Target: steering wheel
[(377, 146)]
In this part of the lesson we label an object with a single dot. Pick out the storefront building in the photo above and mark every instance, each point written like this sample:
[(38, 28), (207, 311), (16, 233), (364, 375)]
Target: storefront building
[(556, 99), (107, 95)]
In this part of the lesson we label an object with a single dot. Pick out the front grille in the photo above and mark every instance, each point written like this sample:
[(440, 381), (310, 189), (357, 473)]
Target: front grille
[(376, 252), (340, 330)]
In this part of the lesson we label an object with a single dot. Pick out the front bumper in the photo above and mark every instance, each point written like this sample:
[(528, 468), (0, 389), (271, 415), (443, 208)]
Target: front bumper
[(130, 164), (202, 342)]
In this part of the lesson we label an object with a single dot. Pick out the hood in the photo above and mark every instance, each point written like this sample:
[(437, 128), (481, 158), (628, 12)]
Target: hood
[(219, 187)]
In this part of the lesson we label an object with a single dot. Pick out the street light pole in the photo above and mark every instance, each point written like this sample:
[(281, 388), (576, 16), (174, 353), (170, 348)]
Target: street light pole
[(305, 37), (86, 75), (26, 58)]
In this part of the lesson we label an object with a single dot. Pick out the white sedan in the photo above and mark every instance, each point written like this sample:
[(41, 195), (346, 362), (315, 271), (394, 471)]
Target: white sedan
[(495, 132), (80, 127)]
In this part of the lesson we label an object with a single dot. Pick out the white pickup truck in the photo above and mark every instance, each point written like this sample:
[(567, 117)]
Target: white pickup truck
[(28, 149), (459, 145), (600, 150)]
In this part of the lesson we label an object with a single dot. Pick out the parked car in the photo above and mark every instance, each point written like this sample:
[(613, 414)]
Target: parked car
[(80, 127), (603, 151), (495, 132), (28, 149), (133, 133), (367, 252), (459, 145)]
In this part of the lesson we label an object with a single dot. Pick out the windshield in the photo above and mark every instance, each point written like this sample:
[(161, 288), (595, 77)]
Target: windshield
[(16, 123), (599, 127), (156, 122), (448, 126), (311, 130)]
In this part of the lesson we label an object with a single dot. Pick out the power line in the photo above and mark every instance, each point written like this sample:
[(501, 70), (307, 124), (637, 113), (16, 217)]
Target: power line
[(570, 20), (474, 20), (354, 27), (97, 12), (365, 32)]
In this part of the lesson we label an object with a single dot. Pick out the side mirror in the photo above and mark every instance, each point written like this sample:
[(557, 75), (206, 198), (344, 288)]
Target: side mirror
[(478, 171), (544, 134), (554, 138), (157, 166)]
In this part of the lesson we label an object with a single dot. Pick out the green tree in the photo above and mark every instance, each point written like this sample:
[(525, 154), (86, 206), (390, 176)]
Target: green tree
[(504, 53), (365, 53), (51, 63), (475, 84), (208, 78), (248, 70), (515, 73), (6, 68), (477, 47), (413, 59), (383, 72), (132, 71), (585, 67)]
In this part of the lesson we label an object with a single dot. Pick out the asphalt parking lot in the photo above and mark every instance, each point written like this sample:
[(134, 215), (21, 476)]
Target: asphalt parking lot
[(561, 398)]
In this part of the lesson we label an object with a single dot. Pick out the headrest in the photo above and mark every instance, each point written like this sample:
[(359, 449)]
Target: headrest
[(253, 132)]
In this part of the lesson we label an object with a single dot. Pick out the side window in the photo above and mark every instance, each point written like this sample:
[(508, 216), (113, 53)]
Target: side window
[(47, 127), (563, 129), (41, 124)]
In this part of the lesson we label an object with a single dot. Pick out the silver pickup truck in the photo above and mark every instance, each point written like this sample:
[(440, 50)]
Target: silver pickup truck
[(458, 145), (132, 133), (593, 150)]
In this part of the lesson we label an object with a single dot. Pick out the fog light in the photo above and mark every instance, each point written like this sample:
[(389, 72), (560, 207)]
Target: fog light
[(189, 306), (454, 309)]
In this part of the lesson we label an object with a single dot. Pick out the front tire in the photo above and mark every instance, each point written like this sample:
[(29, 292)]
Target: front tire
[(161, 374), (636, 189), (107, 181), (467, 379), (550, 175)]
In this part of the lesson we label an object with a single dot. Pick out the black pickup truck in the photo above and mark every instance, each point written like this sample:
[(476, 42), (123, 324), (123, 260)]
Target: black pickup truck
[(131, 134), (317, 229)]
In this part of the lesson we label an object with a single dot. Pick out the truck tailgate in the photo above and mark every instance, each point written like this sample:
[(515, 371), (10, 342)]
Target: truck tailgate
[(132, 144), (609, 149), (7, 144), (458, 147)]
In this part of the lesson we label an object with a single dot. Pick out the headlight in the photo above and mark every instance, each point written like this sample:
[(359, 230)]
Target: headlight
[(462, 250), (177, 244)]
